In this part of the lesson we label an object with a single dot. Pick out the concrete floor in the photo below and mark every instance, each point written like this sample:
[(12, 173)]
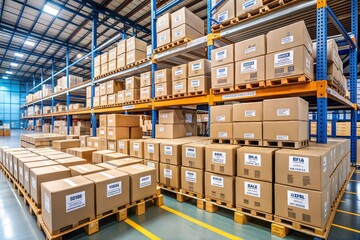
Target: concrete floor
[(172, 221)]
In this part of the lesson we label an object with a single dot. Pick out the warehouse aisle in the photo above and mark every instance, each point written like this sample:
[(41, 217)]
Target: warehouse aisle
[(174, 220)]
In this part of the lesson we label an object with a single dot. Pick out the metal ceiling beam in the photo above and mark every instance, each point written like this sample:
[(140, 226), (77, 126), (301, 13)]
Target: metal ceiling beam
[(2, 9)]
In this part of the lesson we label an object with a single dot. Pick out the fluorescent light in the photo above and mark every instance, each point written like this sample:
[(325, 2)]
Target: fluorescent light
[(29, 43), (4, 77), (79, 55), (48, 8), (14, 64), (19, 55), (9, 72)]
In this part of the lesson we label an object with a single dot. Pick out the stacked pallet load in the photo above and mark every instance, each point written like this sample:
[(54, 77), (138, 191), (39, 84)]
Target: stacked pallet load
[(199, 80), (39, 140), (145, 86), (179, 80), (135, 50), (132, 89)]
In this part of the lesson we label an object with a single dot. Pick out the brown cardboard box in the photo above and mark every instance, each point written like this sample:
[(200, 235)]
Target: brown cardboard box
[(142, 181), (304, 206), (145, 93), (290, 62), (198, 84), (97, 61), (155, 165), (96, 101), (106, 166), (332, 53), (171, 152), (193, 155), (121, 47), (170, 175), (163, 89), (115, 133), (104, 69), (179, 86), (221, 131), (286, 131), (245, 6), (286, 109), (88, 92), (20, 166), (222, 56), (199, 68), (222, 76), (111, 145), (171, 116), (28, 166), (185, 31), (113, 86), (123, 146), (185, 16), (120, 98), (304, 168), (256, 163), (219, 187), (247, 112), (134, 43), (122, 120), (132, 82), (103, 100), (145, 79), (134, 56), (84, 169), (97, 157), (250, 70), (45, 174), (102, 89), (164, 37), (248, 131), (252, 194), (112, 65), (93, 142), (131, 95), (67, 201), (163, 76), (225, 11), (171, 131), (121, 60), (68, 143), (88, 104), (104, 58), (111, 99), (137, 148), (97, 91), (163, 22), (192, 180), (290, 36), (125, 162), (152, 149), (114, 156), (221, 158), (85, 153), (113, 53), (68, 162), (221, 114), (102, 132), (135, 132), (112, 190), (179, 72)]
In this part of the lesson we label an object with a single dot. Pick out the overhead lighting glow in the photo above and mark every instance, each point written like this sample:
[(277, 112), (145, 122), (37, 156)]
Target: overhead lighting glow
[(14, 64), (4, 77), (48, 8), (79, 55), (19, 55), (29, 43), (9, 72)]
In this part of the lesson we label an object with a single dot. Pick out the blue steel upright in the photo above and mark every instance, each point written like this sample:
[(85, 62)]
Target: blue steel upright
[(68, 117), (52, 90), (93, 55), (153, 65)]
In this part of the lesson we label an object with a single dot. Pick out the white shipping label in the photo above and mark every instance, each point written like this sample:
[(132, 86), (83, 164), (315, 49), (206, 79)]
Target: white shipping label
[(284, 59), (145, 181), (220, 55), (164, 115), (282, 137), (223, 16), (161, 129), (248, 4), (144, 91), (159, 88), (217, 181), (168, 150), (190, 176), (111, 146), (161, 22), (190, 152), (178, 33), (223, 134), (287, 39), (96, 144), (114, 189), (162, 38), (128, 94), (298, 164), (195, 66), (188, 118), (178, 18), (21, 171), (160, 75), (250, 113), (221, 72), (179, 86), (308, 64), (150, 148), (33, 182), (151, 164), (252, 159), (219, 157), (27, 176), (102, 132), (188, 134), (324, 164), (250, 49), (47, 202), (179, 71), (75, 201), (252, 189), (249, 135), (195, 83), (136, 147), (299, 200), (220, 118), (283, 112), (168, 173), (249, 66), (121, 145)]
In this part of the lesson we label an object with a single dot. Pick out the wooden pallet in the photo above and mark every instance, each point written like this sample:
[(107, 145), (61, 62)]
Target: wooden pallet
[(222, 141), (184, 195), (173, 189), (248, 142), (222, 90), (255, 213), (171, 45), (197, 93), (212, 204), (337, 86), (249, 86), (287, 80), (286, 144), (193, 194)]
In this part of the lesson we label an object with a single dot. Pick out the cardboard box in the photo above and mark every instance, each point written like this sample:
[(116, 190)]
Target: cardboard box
[(164, 37), (113, 53), (97, 61), (252, 194), (115, 133), (125, 162), (179, 86), (163, 76), (199, 68), (286, 109), (145, 93), (122, 120), (248, 112), (145, 79), (163, 89), (121, 47), (286, 131), (222, 76), (113, 156), (179, 72), (112, 65), (170, 175), (171, 152), (97, 71), (45, 174), (142, 181), (245, 6), (250, 70), (221, 159), (221, 131), (84, 169), (290, 62), (102, 132), (225, 11), (112, 190), (104, 58), (68, 162), (185, 16), (112, 145), (67, 201), (135, 132), (171, 131), (102, 144), (121, 60), (304, 206), (28, 166), (287, 37), (19, 165), (163, 22), (193, 155), (198, 84), (123, 146), (93, 142), (192, 180), (155, 165), (111, 99), (248, 131), (256, 163), (137, 148), (106, 166), (332, 53), (68, 143), (185, 31), (103, 100), (134, 43), (97, 156), (102, 89), (221, 114), (132, 95), (96, 101), (113, 86), (120, 98), (134, 56), (222, 56), (152, 149), (104, 68), (171, 116), (219, 187)]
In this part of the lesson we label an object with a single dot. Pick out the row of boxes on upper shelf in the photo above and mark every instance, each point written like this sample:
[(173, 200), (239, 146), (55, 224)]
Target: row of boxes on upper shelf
[(127, 51), (343, 129)]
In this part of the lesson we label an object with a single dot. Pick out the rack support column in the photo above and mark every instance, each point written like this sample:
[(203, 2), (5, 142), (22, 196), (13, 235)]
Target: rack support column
[(68, 118), (153, 65), (93, 55)]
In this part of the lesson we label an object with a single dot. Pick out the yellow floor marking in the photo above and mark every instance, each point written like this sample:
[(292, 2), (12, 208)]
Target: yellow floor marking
[(346, 228), (141, 229), (202, 224), (351, 213)]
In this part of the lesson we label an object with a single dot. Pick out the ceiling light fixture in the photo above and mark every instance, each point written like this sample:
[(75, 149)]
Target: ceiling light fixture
[(50, 9), (4, 77), (14, 64), (29, 43), (9, 72), (19, 55), (79, 55)]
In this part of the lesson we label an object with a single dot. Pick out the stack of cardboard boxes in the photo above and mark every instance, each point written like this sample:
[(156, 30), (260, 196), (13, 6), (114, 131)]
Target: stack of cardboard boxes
[(221, 123), (222, 67), (199, 72), (135, 50), (145, 86), (62, 82), (163, 82), (105, 94), (104, 59), (313, 128), (112, 64), (202, 124), (132, 89), (179, 79)]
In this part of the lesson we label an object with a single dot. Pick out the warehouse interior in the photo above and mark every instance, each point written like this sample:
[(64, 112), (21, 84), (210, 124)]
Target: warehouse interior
[(168, 119)]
